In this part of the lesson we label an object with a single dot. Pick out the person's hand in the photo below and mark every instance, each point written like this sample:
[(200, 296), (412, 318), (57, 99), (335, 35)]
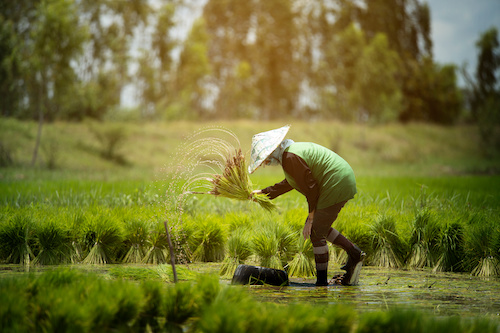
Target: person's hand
[(254, 193), (308, 226)]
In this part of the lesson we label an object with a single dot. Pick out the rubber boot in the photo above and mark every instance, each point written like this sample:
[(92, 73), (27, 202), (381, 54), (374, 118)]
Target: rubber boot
[(353, 257), (353, 252), (351, 276), (321, 278)]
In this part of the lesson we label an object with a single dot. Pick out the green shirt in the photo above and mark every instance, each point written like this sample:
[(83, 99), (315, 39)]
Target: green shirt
[(333, 174)]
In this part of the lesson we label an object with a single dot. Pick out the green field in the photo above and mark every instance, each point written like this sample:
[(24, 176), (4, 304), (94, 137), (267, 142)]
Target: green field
[(428, 202)]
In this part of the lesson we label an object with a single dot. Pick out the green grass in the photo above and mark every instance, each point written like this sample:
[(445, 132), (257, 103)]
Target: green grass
[(148, 148)]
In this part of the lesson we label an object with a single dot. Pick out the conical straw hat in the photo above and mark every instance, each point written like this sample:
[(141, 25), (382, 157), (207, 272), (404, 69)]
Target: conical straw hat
[(263, 144)]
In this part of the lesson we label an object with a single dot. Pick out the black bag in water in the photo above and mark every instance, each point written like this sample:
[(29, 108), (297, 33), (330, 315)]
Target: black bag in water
[(246, 274)]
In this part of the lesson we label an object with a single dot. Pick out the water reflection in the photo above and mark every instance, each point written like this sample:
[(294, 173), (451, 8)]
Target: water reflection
[(439, 293)]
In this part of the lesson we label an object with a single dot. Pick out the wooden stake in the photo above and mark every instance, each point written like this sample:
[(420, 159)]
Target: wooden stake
[(172, 254)]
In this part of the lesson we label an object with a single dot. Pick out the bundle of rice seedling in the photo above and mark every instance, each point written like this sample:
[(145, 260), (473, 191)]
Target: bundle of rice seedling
[(102, 237), (235, 182), (451, 249), (388, 250), (158, 250), (16, 240), (238, 250), (136, 240), (54, 243), (208, 240), (424, 240), (302, 264), (274, 244), (483, 247)]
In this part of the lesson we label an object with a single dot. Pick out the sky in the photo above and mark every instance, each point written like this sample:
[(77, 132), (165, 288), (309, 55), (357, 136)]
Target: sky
[(456, 26)]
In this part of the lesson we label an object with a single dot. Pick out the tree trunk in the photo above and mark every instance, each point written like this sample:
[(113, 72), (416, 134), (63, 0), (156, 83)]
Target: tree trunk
[(40, 125)]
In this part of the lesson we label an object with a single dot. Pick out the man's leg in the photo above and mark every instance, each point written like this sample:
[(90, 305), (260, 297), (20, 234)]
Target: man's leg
[(321, 228), (355, 257), (321, 256)]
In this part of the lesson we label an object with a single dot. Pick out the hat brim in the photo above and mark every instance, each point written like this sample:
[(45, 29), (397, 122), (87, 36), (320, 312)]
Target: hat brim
[(263, 144)]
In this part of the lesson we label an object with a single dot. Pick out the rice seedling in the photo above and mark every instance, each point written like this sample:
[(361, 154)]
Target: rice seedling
[(238, 220), (234, 182), (180, 304), (102, 236), (233, 310), (266, 248), (424, 240), (483, 247), (14, 309), (114, 305), (151, 312), (394, 320), (207, 239), (337, 255), (158, 252), (357, 232), (295, 218), (451, 249), (274, 244), (287, 241), (136, 240), (54, 244), (166, 273), (387, 249), (17, 239), (302, 264), (238, 250)]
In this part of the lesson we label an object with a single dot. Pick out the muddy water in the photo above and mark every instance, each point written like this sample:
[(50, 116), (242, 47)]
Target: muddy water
[(440, 293)]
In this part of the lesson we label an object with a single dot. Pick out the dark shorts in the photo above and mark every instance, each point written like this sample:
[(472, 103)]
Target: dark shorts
[(323, 219)]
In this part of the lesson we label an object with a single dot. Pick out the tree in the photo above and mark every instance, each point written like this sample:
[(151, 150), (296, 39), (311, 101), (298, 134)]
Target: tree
[(262, 38), (56, 38), (358, 77), (154, 75), (15, 19), (10, 89), (192, 73), (104, 70), (377, 86), (485, 101), (99, 71)]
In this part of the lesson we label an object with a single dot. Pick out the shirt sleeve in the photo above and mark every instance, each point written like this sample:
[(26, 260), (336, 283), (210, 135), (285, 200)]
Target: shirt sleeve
[(297, 168), (277, 189)]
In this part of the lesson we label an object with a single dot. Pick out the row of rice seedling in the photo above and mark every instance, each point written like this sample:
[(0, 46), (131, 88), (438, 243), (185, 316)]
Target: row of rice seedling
[(69, 300), (96, 236), (469, 242)]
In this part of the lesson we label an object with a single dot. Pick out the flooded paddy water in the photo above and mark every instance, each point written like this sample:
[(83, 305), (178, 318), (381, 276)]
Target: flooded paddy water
[(437, 293)]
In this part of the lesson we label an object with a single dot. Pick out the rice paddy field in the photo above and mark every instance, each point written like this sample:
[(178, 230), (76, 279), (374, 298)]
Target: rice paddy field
[(83, 244)]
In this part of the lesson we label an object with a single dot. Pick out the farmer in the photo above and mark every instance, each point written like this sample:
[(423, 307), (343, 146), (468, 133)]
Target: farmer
[(326, 180)]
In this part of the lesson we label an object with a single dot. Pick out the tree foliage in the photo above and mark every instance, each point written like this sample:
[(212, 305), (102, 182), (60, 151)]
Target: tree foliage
[(356, 60), (485, 90)]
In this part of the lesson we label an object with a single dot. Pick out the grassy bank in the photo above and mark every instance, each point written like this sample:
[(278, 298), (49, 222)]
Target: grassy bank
[(141, 151)]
